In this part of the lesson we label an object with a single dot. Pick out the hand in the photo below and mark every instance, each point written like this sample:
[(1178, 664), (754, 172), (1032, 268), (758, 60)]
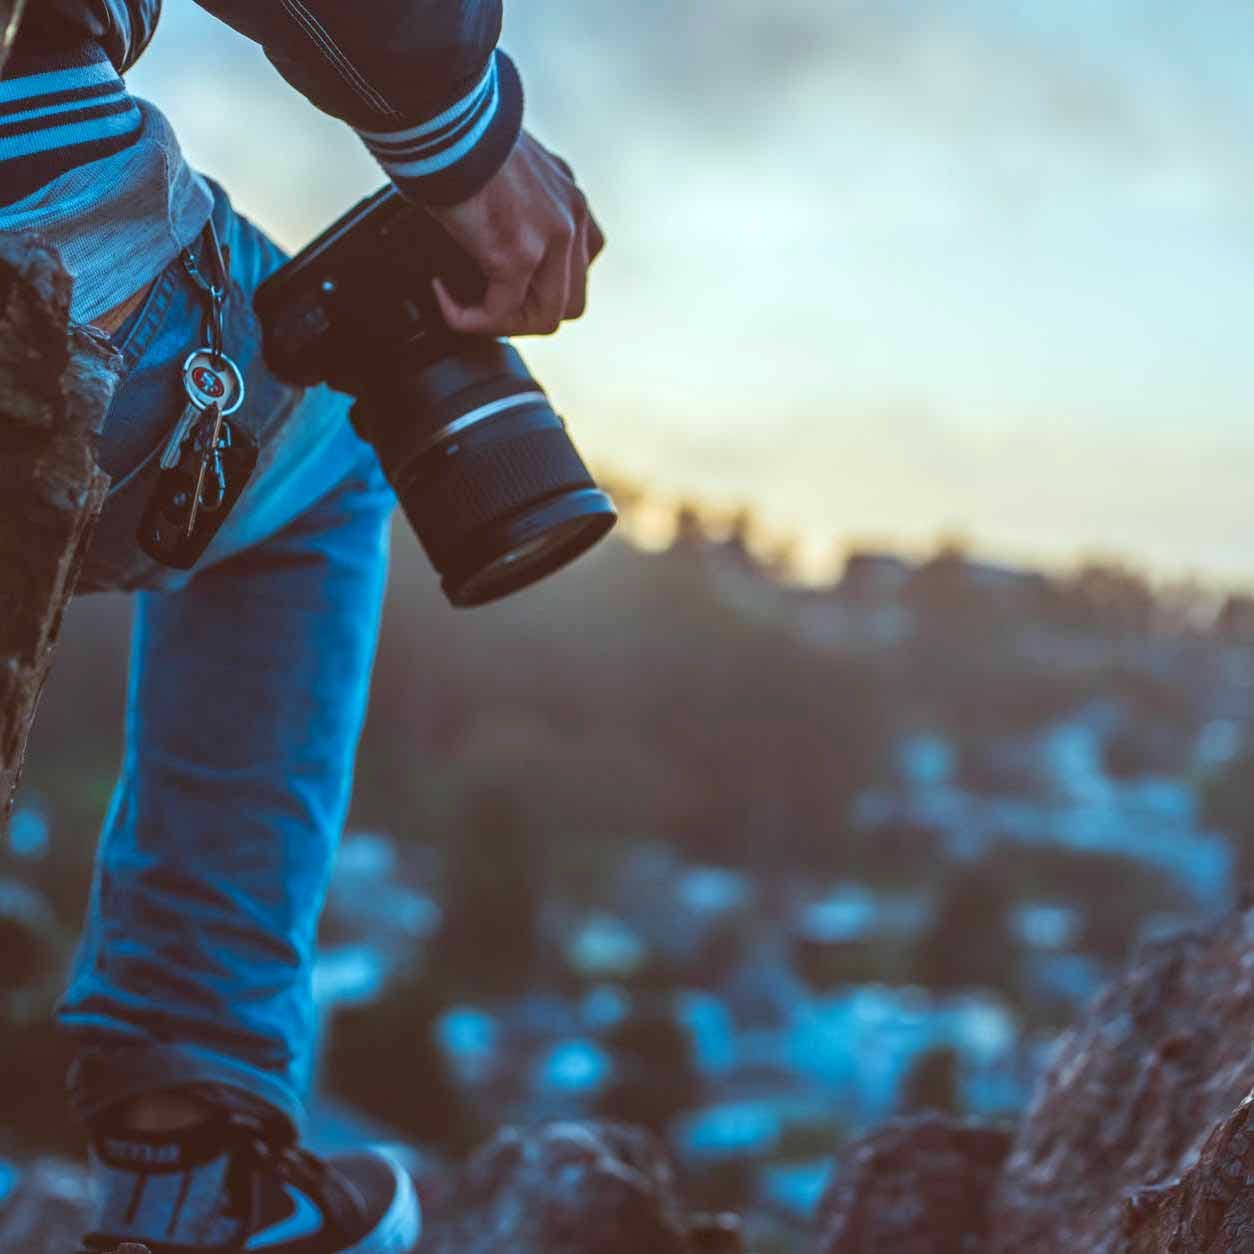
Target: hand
[(532, 234)]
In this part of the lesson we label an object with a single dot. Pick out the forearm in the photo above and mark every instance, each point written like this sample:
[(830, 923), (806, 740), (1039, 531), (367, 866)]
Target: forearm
[(421, 81)]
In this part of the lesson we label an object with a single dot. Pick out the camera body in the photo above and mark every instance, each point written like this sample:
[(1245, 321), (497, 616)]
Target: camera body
[(482, 465)]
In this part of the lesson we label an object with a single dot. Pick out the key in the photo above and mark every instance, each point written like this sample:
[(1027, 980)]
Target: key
[(182, 429), (208, 441), (206, 384)]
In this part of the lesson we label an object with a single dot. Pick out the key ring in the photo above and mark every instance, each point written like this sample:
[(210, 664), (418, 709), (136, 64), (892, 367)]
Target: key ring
[(216, 290)]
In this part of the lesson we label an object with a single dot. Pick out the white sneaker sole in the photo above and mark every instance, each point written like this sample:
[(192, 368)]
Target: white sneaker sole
[(398, 1231)]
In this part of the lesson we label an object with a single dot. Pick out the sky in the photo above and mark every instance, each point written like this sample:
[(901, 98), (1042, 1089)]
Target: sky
[(883, 269)]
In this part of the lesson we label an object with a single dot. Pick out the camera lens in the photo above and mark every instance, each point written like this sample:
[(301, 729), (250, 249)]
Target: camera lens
[(485, 471), (532, 560), (483, 468)]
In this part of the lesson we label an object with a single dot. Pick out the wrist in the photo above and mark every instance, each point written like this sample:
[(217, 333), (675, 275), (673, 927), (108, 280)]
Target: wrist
[(446, 159)]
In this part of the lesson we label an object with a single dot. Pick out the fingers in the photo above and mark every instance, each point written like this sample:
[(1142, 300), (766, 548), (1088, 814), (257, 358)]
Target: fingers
[(504, 302), (596, 238), (526, 298), (577, 288), (548, 303), (534, 238)]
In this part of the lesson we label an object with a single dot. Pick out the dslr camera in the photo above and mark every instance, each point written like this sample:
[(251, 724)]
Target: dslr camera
[(484, 469)]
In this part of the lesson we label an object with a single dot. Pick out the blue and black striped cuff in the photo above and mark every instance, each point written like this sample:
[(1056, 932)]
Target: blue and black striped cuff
[(60, 110), (448, 158)]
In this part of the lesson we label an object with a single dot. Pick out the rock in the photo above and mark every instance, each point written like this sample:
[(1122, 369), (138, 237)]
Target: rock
[(1137, 1139), (1210, 1208), (567, 1188), (56, 382), (1140, 1138), (917, 1186)]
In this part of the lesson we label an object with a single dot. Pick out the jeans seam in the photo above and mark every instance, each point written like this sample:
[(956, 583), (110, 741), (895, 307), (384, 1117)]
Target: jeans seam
[(156, 306)]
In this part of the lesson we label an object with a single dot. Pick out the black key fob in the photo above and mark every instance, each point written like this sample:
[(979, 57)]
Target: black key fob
[(164, 529)]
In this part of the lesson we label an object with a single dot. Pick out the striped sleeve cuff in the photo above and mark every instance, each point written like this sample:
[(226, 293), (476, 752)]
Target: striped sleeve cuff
[(57, 111), (448, 158)]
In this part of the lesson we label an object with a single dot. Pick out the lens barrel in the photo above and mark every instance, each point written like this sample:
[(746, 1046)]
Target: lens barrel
[(485, 472)]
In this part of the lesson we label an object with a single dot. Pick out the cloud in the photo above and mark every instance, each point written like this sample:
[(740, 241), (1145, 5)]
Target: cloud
[(1113, 82)]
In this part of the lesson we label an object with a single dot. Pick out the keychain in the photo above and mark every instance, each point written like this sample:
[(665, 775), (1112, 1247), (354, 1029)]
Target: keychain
[(206, 460)]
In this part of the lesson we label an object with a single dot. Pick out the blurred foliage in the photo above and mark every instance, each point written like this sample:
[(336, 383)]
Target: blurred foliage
[(933, 1083), (627, 699), (383, 1058), (1228, 805), (489, 944), (657, 1077), (699, 701)]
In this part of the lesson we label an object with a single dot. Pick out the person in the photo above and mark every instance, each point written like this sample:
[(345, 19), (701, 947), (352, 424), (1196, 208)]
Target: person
[(190, 1001)]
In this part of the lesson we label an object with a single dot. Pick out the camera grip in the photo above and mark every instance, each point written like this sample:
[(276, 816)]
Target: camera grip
[(453, 264)]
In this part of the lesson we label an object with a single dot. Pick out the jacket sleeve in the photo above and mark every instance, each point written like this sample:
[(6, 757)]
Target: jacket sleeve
[(421, 81)]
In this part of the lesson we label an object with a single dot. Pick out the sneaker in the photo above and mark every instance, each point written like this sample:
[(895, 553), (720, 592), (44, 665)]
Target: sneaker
[(228, 1185)]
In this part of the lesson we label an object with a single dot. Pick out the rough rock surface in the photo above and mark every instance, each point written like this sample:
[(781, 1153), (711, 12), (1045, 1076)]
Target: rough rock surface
[(583, 1188), (1139, 1140), (920, 1186), (1211, 1207), (56, 382), (1136, 1138)]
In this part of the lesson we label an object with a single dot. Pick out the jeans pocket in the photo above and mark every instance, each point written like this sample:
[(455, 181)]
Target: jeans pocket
[(146, 406), (151, 398)]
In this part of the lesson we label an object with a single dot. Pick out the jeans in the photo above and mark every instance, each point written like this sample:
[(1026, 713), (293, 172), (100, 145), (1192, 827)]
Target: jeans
[(247, 692)]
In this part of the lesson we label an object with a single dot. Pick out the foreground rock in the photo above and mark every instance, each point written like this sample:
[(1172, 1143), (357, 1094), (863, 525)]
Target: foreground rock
[(1136, 1139), (56, 382), (564, 1189), (918, 1187), (1211, 1207), (1140, 1138)]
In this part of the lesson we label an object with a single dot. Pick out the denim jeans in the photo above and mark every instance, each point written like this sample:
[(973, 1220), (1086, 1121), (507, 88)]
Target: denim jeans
[(247, 692)]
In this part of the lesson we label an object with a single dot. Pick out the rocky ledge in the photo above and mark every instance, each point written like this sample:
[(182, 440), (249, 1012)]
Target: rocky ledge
[(1139, 1140)]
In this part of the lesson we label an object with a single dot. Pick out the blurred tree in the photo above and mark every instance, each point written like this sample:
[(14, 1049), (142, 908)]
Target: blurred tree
[(968, 945), (35, 1058), (383, 1058), (932, 1083), (489, 941), (690, 527), (1228, 806), (656, 1078), (1111, 598)]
